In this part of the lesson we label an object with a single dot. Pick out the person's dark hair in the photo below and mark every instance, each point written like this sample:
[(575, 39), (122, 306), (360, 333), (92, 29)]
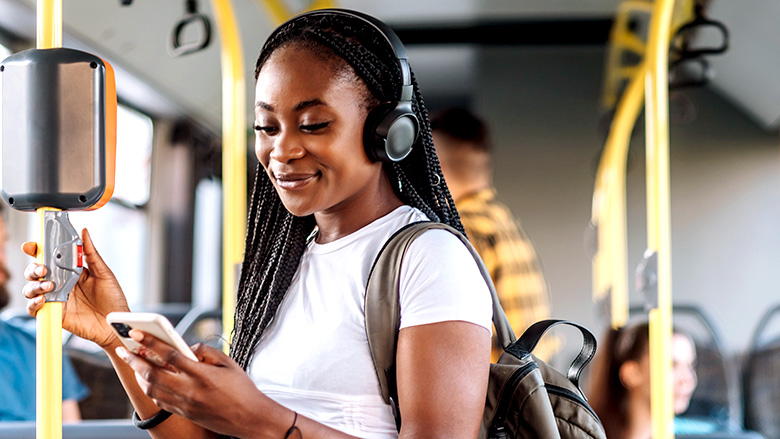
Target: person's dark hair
[(276, 239), (462, 124), (608, 396)]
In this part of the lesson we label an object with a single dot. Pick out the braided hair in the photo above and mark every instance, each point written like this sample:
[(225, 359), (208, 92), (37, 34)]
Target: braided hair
[(276, 239)]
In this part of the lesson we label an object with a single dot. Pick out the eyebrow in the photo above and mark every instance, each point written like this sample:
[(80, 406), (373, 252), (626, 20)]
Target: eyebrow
[(301, 106)]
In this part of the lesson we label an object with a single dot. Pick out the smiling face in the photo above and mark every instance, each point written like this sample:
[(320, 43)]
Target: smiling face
[(309, 116), (635, 374)]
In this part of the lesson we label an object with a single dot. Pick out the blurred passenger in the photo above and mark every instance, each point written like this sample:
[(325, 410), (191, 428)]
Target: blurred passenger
[(620, 383), (463, 145), (17, 363)]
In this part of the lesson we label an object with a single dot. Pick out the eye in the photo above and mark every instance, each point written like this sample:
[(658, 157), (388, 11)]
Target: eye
[(314, 126), (267, 129)]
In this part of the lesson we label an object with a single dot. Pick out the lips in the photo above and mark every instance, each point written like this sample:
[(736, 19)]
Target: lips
[(293, 180)]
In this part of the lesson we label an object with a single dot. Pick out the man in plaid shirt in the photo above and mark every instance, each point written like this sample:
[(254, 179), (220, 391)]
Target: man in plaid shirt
[(463, 146)]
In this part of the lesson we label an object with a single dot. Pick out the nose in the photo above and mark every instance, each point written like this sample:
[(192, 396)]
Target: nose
[(286, 148)]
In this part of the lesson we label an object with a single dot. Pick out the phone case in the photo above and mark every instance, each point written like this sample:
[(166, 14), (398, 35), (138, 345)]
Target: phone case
[(150, 323)]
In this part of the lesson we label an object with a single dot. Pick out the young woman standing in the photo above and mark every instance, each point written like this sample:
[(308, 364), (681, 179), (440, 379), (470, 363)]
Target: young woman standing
[(326, 198)]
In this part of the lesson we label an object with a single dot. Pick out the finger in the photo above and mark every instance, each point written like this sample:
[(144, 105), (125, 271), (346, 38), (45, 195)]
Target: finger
[(143, 369), (34, 272), (35, 288), (95, 263), (169, 355), (30, 248), (35, 305)]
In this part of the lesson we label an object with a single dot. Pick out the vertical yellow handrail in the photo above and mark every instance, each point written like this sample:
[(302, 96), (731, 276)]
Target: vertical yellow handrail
[(48, 369), (658, 214), (233, 158)]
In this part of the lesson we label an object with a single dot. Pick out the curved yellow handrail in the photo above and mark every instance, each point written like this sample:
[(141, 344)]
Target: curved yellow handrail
[(48, 363), (610, 266), (622, 39), (280, 13), (233, 158)]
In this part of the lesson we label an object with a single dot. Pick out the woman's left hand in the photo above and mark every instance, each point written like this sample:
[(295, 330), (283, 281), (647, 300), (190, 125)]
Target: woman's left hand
[(215, 393)]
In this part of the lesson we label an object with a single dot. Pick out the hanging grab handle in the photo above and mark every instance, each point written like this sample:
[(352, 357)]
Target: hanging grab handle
[(193, 18)]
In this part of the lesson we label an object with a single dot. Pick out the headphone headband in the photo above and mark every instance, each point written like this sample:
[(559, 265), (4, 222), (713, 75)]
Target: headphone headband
[(387, 33)]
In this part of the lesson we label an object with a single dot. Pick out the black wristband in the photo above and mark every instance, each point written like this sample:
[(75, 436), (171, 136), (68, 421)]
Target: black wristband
[(152, 422), (292, 428)]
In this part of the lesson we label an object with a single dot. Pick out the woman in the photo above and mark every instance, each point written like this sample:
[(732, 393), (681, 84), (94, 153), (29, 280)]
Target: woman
[(620, 390), (299, 363)]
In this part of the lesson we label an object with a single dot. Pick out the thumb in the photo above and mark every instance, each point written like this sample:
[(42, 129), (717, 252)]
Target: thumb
[(95, 263), (30, 248), (210, 355)]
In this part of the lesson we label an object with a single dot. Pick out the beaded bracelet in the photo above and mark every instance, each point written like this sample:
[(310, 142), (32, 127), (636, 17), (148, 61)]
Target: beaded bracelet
[(292, 427), (152, 422)]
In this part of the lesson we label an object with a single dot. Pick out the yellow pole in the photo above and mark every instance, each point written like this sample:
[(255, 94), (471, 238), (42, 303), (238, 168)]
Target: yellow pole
[(233, 157), (658, 214), (48, 371)]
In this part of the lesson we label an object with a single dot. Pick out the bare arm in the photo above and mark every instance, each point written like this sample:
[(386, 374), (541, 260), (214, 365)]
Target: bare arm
[(442, 372), (70, 411)]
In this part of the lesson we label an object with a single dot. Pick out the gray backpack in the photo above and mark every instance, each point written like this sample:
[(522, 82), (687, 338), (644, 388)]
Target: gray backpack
[(526, 397)]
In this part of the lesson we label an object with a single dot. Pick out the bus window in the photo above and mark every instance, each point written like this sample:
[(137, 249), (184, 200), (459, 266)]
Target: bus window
[(126, 215), (4, 53)]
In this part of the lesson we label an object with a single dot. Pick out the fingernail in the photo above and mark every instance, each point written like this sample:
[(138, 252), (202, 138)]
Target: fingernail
[(40, 299), (136, 335), (39, 270), (121, 352), (47, 285)]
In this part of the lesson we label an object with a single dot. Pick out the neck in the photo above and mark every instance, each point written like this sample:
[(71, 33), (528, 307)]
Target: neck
[(357, 212), (640, 423), (461, 187)]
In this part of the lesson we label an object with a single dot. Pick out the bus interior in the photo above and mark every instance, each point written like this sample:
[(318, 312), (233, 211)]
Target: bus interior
[(538, 71)]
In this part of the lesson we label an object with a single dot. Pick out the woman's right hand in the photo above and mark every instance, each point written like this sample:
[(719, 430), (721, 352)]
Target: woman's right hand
[(96, 294)]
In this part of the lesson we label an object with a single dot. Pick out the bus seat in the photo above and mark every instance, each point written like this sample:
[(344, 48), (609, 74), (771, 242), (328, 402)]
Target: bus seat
[(761, 378), (712, 399), (107, 398)]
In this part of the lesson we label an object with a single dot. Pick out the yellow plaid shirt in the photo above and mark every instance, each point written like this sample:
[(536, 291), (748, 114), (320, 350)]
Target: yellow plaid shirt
[(511, 261)]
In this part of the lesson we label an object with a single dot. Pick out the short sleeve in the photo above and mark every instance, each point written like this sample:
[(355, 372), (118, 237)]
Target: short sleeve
[(440, 281)]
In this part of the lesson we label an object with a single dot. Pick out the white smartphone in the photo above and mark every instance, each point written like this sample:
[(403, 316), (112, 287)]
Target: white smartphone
[(150, 323)]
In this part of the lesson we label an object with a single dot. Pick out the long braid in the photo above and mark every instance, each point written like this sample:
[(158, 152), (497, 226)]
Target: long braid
[(274, 247), (276, 239)]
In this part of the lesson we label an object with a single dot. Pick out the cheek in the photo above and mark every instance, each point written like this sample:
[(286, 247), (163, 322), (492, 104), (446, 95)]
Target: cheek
[(262, 151)]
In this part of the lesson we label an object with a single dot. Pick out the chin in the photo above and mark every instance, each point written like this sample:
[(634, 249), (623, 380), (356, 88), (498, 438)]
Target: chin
[(681, 406)]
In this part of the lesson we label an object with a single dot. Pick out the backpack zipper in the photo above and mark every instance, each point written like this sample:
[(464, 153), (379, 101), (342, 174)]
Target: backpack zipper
[(497, 427), (568, 394)]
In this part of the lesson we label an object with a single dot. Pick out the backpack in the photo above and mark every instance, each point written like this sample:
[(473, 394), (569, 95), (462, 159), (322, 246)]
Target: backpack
[(526, 398)]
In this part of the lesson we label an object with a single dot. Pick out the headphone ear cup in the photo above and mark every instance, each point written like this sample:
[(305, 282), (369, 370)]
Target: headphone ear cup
[(390, 132)]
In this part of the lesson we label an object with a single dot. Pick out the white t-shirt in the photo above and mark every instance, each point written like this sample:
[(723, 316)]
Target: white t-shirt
[(314, 357)]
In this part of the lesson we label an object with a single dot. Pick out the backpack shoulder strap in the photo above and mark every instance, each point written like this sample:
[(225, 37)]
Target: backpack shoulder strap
[(382, 308)]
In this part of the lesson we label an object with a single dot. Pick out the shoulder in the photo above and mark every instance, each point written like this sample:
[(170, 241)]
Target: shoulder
[(440, 280), (21, 331)]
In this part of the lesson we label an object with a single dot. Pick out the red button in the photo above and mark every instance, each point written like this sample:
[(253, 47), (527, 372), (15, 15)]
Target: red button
[(79, 256)]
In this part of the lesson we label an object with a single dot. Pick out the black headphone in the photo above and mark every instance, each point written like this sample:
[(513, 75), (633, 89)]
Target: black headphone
[(392, 127)]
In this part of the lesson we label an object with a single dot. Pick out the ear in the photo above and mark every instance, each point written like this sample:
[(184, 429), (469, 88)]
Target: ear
[(630, 374)]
